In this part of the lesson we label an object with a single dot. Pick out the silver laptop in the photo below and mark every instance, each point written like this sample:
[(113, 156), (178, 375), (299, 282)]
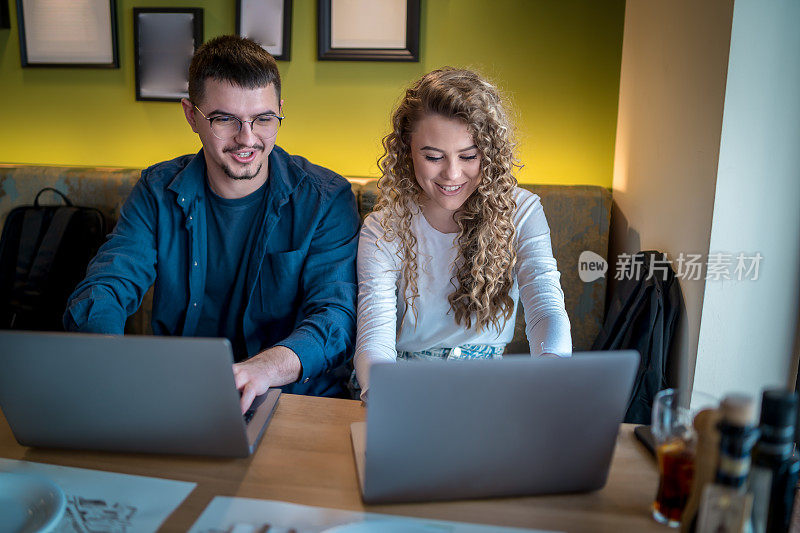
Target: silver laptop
[(134, 394), (476, 429)]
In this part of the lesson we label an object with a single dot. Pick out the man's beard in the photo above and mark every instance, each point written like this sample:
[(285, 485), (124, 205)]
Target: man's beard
[(226, 169)]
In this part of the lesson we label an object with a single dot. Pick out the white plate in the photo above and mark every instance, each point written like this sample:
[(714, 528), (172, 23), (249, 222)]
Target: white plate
[(387, 526), (29, 503)]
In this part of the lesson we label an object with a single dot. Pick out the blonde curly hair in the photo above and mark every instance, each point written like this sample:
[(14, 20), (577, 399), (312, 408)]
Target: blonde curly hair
[(487, 256)]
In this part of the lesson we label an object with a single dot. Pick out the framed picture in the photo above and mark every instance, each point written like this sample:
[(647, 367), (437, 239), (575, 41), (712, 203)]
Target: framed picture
[(366, 30), (269, 23), (164, 40), (65, 33), (5, 15)]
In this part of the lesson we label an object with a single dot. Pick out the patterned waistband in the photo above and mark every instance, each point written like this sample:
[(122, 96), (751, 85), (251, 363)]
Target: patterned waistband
[(465, 351)]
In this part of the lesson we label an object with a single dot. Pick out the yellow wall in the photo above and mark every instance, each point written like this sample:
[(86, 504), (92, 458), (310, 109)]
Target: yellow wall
[(559, 62)]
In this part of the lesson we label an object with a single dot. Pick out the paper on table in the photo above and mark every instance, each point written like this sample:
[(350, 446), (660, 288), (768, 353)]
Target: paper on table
[(106, 501), (225, 514)]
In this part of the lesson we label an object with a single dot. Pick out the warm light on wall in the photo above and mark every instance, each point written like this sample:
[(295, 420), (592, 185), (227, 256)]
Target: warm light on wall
[(559, 65), (621, 153)]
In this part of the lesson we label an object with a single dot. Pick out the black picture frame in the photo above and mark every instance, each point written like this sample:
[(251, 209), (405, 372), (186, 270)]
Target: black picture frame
[(29, 59), (243, 11), (153, 83), (326, 52), (5, 15)]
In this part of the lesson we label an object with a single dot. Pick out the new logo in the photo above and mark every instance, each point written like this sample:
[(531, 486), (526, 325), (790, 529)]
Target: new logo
[(591, 266)]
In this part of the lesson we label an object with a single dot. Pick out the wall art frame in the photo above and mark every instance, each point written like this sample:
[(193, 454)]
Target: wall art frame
[(68, 34), (5, 15), (334, 43), (161, 67), (276, 35)]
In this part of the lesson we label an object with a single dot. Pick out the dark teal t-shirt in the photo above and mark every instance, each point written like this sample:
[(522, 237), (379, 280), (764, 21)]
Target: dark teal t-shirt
[(231, 228)]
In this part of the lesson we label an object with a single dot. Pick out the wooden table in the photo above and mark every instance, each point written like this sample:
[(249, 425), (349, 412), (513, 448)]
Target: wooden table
[(306, 458)]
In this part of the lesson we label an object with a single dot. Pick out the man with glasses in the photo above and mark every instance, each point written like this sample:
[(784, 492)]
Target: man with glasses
[(240, 240)]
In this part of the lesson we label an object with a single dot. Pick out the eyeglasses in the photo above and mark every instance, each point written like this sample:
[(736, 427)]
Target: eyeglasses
[(226, 127)]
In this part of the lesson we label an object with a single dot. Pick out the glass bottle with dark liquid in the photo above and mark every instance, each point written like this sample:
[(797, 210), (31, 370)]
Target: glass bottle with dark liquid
[(675, 447), (676, 465), (773, 474)]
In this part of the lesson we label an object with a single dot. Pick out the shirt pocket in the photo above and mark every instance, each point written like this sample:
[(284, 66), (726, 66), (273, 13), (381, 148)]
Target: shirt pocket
[(279, 281)]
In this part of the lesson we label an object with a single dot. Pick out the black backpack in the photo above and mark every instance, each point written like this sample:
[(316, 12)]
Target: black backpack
[(642, 316), (44, 251)]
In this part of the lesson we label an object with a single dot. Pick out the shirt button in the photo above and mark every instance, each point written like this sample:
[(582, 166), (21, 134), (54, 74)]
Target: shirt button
[(195, 263), (194, 304), (183, 199), (305, 380), (190, 217)]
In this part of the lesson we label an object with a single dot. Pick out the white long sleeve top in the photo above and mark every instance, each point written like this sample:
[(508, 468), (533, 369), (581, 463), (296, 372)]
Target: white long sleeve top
[(382, 330)]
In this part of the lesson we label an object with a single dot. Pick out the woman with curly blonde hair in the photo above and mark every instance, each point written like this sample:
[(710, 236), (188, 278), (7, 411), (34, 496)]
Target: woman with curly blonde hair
[(453, 244)]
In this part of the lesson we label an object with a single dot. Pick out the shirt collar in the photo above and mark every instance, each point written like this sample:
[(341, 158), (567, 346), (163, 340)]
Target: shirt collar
[(284, 174), (189, 183), (284, 177)]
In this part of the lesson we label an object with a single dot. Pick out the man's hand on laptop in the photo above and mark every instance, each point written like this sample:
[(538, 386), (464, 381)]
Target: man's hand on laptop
[(273, 367)]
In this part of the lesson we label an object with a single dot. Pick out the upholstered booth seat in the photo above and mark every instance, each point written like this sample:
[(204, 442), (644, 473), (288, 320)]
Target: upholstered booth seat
[(578, 217)]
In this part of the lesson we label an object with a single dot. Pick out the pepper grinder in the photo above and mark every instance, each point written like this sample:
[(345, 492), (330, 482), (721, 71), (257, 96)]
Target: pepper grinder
[(705, 464)]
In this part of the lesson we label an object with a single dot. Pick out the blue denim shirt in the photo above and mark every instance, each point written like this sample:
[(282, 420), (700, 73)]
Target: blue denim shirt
[(300, 280)]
